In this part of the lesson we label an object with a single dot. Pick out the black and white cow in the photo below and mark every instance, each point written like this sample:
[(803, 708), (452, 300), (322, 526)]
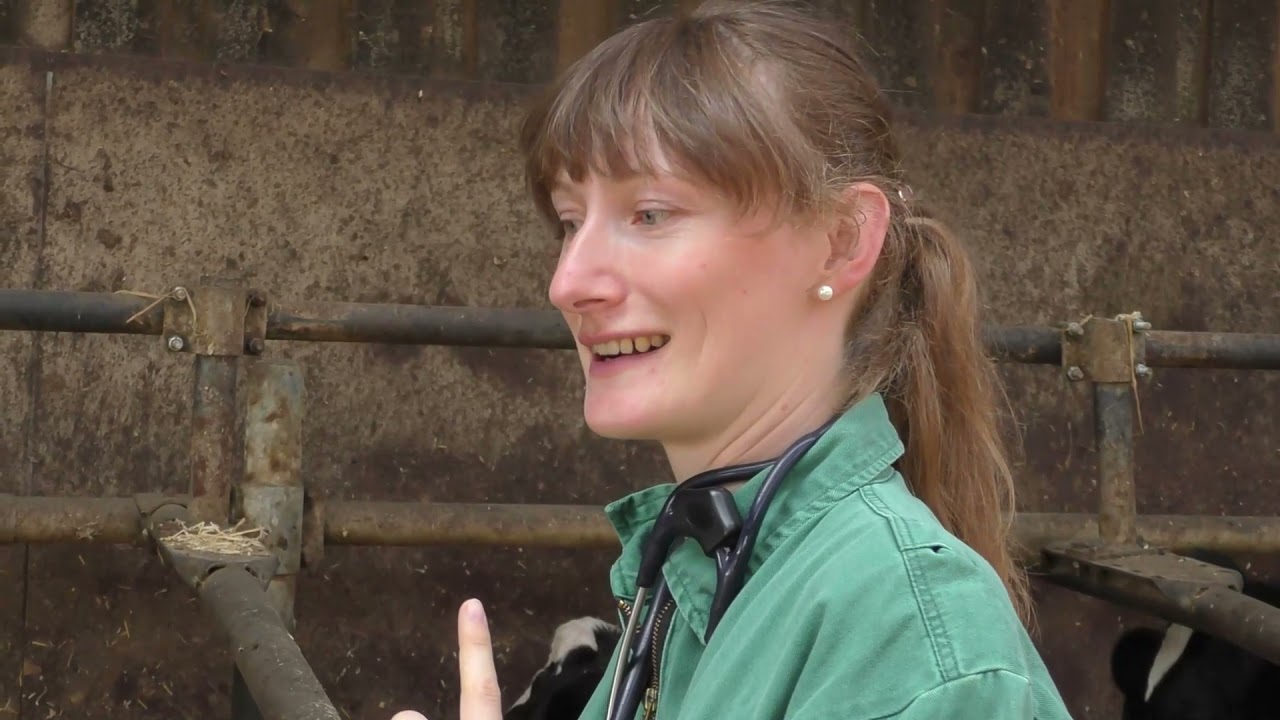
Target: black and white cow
[(580, 653), (1179, 674)]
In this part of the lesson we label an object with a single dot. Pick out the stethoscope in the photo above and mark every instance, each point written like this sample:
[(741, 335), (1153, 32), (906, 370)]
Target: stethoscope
[(700, 509)]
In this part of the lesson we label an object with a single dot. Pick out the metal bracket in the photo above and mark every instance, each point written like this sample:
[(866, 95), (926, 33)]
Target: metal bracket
[(1135, 574), (1182, 590), (195, 566), (219, 317), (1106, 351)]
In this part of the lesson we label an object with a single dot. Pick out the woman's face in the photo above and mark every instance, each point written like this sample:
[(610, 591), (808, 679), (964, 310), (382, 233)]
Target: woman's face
[(692, 322)]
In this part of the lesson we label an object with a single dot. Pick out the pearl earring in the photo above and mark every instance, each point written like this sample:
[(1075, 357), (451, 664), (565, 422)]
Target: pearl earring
[(826, 293)]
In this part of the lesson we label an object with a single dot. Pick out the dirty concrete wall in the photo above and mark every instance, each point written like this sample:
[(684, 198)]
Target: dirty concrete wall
[(348, 186)]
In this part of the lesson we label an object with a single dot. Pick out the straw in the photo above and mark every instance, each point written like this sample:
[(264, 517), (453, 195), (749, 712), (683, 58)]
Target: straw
[(208, 537)]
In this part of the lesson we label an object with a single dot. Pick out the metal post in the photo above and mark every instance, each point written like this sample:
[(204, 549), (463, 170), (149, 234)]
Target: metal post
[(209, 321), (213, 442), (1117, 495), (271, 494), (1108, 354)]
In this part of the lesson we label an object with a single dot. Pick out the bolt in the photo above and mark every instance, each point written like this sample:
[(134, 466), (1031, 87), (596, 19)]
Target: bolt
[(1142, 370), (257, 299), (1075, 373), (1142, 326), (255, 346), (180, 293), (1075, 330), (176, 344)]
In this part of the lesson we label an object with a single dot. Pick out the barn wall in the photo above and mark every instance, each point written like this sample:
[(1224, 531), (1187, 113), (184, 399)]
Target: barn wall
[(1197, 62), (369, 171)]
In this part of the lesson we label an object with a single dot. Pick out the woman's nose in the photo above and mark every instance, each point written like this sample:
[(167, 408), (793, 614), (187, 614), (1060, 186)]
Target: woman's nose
[(587, 275)]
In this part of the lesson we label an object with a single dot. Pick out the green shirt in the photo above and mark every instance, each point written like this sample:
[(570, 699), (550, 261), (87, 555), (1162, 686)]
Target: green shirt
[(857, 604)]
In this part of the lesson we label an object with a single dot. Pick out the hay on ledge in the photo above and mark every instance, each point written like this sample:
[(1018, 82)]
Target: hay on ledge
[(210, 538)]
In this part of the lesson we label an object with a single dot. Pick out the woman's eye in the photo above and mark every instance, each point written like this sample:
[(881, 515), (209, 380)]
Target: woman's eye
[(569, 226), (651, 217)]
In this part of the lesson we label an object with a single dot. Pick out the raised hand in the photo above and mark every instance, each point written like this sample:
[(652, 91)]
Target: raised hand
[(481, 697)]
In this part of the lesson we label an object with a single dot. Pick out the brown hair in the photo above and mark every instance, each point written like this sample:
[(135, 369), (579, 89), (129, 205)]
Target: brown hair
[(770, 103)]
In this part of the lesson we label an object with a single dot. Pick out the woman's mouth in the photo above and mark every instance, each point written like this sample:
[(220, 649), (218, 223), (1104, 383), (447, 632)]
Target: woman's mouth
[(627, 347)]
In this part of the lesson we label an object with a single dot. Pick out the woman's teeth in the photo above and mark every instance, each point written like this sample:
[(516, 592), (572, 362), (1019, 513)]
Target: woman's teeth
[(628, 346)]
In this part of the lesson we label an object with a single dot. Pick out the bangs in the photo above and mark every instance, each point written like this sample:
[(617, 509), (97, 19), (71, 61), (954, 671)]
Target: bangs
[(680, 96)]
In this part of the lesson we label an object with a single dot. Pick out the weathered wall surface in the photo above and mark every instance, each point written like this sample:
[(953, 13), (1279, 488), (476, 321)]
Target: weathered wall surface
[(1195, 62), (341, 187), (21, 163)]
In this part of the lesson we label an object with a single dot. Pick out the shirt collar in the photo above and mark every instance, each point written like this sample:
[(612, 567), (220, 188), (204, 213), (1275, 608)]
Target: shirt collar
[(857, 449)]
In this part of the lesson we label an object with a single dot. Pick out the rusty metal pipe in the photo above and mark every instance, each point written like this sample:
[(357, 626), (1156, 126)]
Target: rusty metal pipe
[(1117, 495), (1240, 351), (274, 669), (78, 312), (373, 523), (415, 524), (418, 325), (1241, 620), (271, 494), (1024, 344), (214, 458), (60, 311), (526, 328), (1176, 533), (411, 524), (69, 520)]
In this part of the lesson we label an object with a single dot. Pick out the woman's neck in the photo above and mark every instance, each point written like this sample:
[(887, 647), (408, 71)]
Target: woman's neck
[(760, 434)]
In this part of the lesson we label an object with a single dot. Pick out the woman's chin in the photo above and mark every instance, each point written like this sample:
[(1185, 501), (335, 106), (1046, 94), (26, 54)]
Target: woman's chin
[(617, 427)]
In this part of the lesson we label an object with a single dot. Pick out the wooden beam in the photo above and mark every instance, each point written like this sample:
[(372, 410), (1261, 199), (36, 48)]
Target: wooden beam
[(1078, 32), (1240, 84), (580, 26), (1159, 61), (953, 35)]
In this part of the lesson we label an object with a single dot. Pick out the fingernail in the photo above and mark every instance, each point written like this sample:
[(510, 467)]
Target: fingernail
[(475, 610)]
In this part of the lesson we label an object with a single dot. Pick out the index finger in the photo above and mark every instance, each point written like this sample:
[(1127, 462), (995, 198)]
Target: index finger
[(481, 697)]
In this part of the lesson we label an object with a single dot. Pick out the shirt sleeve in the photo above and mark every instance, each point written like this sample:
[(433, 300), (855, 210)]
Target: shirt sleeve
[(991, 695)]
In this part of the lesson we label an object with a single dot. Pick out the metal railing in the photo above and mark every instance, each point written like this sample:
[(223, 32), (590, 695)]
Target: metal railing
[(249, 587)]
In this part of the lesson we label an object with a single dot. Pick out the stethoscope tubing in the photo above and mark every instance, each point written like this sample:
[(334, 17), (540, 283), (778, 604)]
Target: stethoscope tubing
[(731, 564)]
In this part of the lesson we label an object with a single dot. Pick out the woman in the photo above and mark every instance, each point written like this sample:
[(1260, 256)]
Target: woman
[(742, 265)]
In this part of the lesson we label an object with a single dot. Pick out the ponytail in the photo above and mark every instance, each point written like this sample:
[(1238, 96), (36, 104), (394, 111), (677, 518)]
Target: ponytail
[(918, 341)]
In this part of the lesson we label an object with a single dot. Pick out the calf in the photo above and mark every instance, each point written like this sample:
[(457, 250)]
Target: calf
[(1180, 674), (580, 654)]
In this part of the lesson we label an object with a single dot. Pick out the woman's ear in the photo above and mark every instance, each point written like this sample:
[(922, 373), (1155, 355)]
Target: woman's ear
[(856, 234)]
